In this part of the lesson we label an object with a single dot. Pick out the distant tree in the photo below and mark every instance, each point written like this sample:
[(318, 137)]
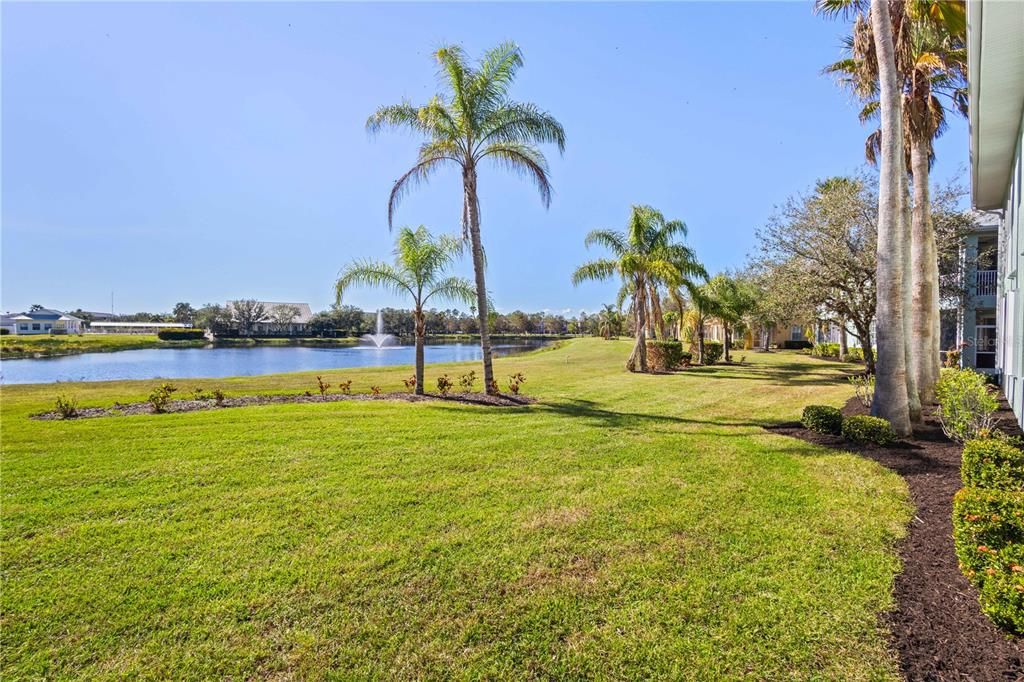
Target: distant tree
[(35, 308), (213, 317), (184, 313), (246, 313), (281, 316)]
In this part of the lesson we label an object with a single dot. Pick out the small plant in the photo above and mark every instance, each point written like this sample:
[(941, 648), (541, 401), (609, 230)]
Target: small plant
[(825, 350), (444, 384), (854, 355), (993, 463), (345, 386), (966, 404), (823, 419), (67, 406), (865, 429), (743, 359), (864, 387), (494, 386), (218, 397), (515, 381), (322, 386), (467, 380), (160, 396), (375, 390), (410, 383), (953, 356), (199, 394)]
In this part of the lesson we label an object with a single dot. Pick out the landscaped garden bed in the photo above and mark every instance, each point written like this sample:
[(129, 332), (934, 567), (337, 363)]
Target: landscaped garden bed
[(938, 629)]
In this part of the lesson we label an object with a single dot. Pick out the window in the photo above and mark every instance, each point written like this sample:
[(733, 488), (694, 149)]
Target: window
[(796, 333), (985, 339), (47, 326), (35, 326), (23, 327)]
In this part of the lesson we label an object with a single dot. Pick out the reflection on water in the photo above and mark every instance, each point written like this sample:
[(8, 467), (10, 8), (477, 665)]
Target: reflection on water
[(183, 363)]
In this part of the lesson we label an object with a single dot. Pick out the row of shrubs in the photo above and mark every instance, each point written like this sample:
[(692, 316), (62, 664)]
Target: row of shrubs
[(858, 429), (181, 334), (988, 527), (668, 355), (831, 350)]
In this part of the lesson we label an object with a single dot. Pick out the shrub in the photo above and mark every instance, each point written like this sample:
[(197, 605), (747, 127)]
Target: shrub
[(199, 394), (988, 531), (953, 356), (181, 334), (993, 463), (322, 386), (864, 387), (713, 352), (160, 396), (966, 404), (444, 384), (494, 386), (666, 355), (67, 406), (515, 381), (823, 419), (4, 331), (789, 344), (345, 386), (865, 429), (375, 390), (218, 396), (467, 380), (410, 383), (854, 355), (825, 350)]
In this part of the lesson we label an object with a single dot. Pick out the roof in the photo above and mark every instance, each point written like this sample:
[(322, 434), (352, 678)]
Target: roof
[(995, 70), (138, 325), (304, 316), (44, 314)]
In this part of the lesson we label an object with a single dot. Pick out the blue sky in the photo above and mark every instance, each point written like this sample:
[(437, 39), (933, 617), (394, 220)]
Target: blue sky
[(171, 152)]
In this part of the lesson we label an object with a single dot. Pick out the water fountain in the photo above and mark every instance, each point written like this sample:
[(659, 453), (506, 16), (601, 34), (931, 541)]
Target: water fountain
[(380, 339)]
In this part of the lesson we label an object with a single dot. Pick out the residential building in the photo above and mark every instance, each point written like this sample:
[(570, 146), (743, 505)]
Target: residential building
[(43, 321), (976, 323), (995, 41), (279, 319)]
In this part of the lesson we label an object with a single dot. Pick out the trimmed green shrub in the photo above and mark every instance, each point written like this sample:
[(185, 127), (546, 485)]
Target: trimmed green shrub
[(993, 463), (666, 355), (823, 419), (825, 350), (966, 404), (67, 406), (789, 344), (864, 429), (181, 334), (988, 531), (854, 355), (713, 351)]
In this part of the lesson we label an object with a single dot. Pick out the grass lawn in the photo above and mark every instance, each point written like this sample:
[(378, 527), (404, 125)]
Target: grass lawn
[(626, 526), (12, 346)]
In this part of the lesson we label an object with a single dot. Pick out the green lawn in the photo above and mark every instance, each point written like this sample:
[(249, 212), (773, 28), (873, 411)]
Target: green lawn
[(626, 526), (13, 346)]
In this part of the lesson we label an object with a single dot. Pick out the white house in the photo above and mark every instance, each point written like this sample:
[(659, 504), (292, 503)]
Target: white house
[(283, 319), (43, 321), (995, 65)]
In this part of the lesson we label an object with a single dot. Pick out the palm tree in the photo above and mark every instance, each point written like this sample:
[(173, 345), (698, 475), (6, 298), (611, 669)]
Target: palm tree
[(419, 271), (609, 321), (733, 301), (933, 65), (472, 122), (643, 256)]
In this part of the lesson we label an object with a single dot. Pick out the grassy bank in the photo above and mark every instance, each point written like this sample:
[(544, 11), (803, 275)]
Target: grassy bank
[(47, 346), (625, 526)]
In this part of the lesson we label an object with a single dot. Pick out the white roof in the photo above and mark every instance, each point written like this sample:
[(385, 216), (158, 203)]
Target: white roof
[(136, 325)]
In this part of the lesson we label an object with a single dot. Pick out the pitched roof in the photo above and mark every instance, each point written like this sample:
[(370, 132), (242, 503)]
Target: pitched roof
[(45, 314)]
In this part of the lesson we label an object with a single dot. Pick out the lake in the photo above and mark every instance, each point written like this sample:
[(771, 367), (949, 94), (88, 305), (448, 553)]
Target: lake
[(187, 363)]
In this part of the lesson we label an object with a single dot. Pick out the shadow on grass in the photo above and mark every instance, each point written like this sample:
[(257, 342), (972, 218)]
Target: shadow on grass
[(579, 408), (785, 374)]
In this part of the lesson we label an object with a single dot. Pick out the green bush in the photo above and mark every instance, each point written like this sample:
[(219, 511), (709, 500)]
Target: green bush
[(161, 396), (789, 344), (67, 406), (180, 334), (988, 530), (713, 352), (4, 331), (966, 404), (666, 355), (825, 350), (823, 419), (993, 463), (854, 355), (865, 429)]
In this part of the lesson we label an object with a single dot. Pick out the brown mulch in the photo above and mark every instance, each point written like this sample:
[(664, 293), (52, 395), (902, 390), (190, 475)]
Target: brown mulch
[(128, 409), (938, 629)]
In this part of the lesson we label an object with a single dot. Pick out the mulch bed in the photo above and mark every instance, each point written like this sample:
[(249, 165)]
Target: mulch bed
[(938, 629), (128, 409)]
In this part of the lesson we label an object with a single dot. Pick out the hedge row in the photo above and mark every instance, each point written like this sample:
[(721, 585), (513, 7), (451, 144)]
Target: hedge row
[(180, 334), (988, 528), (667, 355), (859, 428)]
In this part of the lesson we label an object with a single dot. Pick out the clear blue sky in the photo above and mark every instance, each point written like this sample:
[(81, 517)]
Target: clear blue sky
[(195, 152)]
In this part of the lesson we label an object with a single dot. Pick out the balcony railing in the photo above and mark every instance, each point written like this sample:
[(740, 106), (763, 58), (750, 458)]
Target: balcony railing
[(986, 283)]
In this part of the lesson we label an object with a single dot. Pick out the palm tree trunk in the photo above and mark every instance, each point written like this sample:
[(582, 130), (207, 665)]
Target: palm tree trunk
[(891, 399), (766, 336), (658, 320), (925, 277), (420, 334), (912, 344), (700, 340), (727, 341), (637, 360), (471, 207)]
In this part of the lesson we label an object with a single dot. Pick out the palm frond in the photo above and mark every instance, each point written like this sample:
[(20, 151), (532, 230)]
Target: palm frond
[(521, 123), (372, 274), (610, 239), (394, 116), (416, 175), (494, 75), (524, 160), (595, 270), (456, 289)]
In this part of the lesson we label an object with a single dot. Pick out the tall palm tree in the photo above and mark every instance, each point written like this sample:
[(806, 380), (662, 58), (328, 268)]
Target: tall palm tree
[(933, 66), (419, 271), (474, 121), (733, 302), (645, 255), (609, 321)]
